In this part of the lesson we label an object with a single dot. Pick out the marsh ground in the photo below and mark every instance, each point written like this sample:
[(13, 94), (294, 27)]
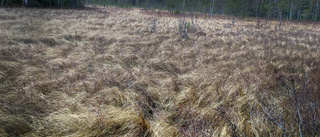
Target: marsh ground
[(118, 72)]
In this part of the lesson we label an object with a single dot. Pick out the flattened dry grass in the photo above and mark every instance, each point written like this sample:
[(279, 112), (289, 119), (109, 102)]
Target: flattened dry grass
[(107, 72)]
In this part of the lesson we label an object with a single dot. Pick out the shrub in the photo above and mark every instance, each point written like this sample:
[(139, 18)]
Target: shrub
[(176, 11)]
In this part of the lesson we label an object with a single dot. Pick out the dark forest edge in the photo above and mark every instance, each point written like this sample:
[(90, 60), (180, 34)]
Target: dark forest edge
[(44, 3), (300, 10)]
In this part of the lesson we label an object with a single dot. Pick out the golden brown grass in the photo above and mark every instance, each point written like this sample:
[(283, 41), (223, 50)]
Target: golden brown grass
[(104, 72)]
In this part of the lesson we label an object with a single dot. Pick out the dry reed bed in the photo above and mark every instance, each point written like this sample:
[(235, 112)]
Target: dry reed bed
[(105, 72)]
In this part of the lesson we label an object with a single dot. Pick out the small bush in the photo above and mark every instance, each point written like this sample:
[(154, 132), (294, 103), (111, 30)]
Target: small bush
[(176, 11)]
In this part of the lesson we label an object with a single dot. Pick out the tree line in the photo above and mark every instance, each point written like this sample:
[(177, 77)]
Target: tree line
[(301, 10), (44, 3)]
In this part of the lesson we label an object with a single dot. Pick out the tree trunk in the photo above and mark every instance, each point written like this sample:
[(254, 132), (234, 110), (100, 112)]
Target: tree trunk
[(268, 12), (241, 11), (311, 6), (299, 14), (257, 9), (77, 3), (275, 9), (222, 11), (59, 3), (183, 5), (317, 11), (291, 6), (280, 16), (261, 2), (211, 7)]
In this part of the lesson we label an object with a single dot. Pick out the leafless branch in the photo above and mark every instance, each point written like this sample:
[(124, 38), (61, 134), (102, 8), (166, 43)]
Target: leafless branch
[(271, 116)]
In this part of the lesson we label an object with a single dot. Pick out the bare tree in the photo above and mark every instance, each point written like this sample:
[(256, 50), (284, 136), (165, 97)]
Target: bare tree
[(317, 11), (211, 7), (291, 8), (261, 2)]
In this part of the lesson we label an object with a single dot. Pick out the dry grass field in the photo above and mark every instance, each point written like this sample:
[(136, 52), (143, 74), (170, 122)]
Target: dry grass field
[(118, 72)]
